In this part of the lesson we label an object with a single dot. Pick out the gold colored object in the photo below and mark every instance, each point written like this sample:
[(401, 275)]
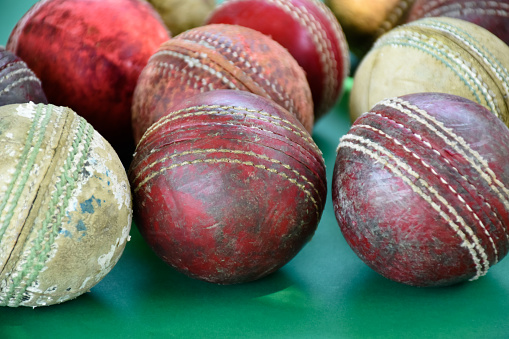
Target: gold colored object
[(181, 15), (363, 21)]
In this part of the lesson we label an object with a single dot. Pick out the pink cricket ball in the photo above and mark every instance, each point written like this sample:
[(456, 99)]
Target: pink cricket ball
[(228, 187), (216, 57), (18, 84), (421, 189), (492, 15), (88, 55), (308, 30)]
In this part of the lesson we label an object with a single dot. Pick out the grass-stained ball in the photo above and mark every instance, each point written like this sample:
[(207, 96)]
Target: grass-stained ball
[(65, 205)]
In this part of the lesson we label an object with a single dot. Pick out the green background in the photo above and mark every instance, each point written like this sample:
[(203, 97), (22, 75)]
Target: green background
[(324, 292)]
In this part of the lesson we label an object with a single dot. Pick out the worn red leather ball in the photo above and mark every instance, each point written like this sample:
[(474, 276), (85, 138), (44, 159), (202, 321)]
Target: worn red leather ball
[(215, 57), (18, 84), (421, 189), (88, 55), (308, 30), (228, 187), (492, 15)]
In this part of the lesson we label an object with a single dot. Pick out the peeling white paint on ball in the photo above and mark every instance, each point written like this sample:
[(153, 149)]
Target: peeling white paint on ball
[(27, 111), (65, 206)]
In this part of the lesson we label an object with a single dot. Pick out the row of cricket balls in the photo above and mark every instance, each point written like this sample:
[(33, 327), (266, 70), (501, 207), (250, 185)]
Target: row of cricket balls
[(228, 185)]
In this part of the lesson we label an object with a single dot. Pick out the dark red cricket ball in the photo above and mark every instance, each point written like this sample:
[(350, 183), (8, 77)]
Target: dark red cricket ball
[(308, 30), (421, 189), (216, 57), (492, 15), (88, 55), (18, 84), (228, 187)]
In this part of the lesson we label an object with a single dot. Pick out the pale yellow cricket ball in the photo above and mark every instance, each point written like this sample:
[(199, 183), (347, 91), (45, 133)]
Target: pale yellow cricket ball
[(435, 55), (65, 205)]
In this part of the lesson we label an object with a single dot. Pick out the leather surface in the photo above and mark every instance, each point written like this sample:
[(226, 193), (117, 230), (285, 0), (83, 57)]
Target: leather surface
[(326, 291)]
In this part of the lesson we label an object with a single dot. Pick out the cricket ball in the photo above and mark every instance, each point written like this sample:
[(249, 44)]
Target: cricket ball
[(444, 55), (181, 15), (492, 15), (228, 187), (308, 30), (65, 205), (363, 21), (216, 57), (18, 84), (420, 189), (88, 55)]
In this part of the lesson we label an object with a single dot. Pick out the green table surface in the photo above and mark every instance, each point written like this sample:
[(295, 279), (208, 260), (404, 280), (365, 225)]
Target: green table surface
[(326, 291)]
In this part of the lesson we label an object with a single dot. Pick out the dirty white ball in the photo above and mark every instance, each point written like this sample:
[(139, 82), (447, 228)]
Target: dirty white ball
[(65, 205)]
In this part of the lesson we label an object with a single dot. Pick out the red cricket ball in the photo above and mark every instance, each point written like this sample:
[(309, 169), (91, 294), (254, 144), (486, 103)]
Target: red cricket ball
[(421, 189), (18, 84), (228, 187), (308, 30), (219, 57), (88, 55), (492, 15)]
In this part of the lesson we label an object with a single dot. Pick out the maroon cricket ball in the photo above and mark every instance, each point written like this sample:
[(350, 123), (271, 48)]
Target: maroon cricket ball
[(228, 187), (308, 30), (216, 57), (18, 84), (88, 55), (421, 189), (492, 15)]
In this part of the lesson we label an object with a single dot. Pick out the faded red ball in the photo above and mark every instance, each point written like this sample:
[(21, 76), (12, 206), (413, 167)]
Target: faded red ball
[(492, 15), (18, 84), (215, 57), (421, 189), (88, 55), (228, 187), (308, 30)]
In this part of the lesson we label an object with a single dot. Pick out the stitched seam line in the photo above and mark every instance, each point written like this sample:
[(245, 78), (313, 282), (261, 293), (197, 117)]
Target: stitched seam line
[(474, 247), (214, 150), (465, 178), (252, 67), (169, 70), (393, 17), (439, 51), (443, 180), (191, 63), (321, 42), (234, 111), (470, 6), (232, 161), (55, 213), (19, 81), (471, 42), (15, 72), (483, 169), (23, 167)]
